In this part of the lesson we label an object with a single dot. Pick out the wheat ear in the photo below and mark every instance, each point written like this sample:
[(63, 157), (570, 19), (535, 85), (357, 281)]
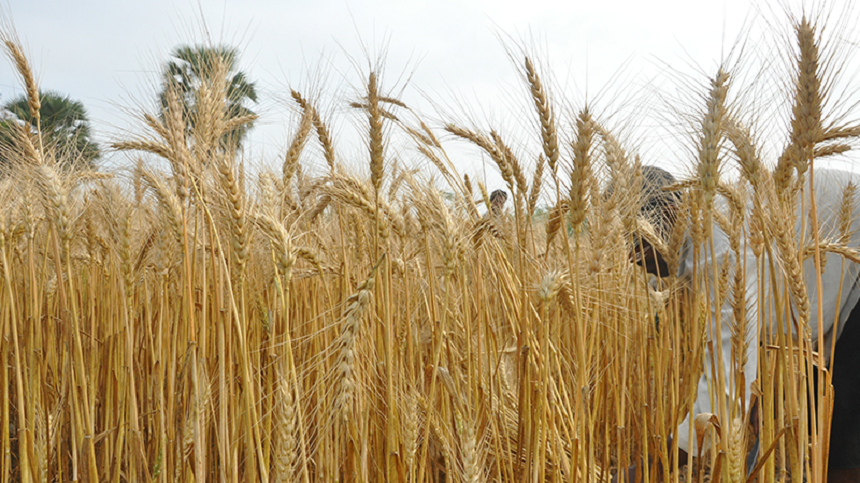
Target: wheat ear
[(291, 161), (322, 130), (548, 133), (22, 65), (712, 133), (581, 176), (356, 306)]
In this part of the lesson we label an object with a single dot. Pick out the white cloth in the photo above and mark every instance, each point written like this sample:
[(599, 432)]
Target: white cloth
[(829, 188)]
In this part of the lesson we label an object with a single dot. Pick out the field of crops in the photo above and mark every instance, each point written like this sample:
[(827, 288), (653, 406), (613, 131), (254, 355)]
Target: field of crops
[(191, 319)]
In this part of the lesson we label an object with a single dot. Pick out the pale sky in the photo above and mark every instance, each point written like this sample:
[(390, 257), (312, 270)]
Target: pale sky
[(107, 53)]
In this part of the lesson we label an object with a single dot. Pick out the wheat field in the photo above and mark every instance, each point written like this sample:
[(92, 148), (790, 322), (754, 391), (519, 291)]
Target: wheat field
[(191, 319)]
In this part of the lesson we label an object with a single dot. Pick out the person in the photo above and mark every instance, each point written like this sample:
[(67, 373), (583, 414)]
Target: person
[(497, 202), (841, 312)]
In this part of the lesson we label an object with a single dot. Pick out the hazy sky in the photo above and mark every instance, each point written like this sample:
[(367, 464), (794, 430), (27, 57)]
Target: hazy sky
[(108, 53)]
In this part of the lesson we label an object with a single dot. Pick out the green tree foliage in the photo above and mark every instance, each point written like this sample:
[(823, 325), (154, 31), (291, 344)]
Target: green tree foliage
[(193, 65), (64, 125)]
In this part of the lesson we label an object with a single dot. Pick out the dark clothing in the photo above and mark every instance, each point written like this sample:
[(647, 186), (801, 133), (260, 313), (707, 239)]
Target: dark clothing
[(845, 422), (845, 430)]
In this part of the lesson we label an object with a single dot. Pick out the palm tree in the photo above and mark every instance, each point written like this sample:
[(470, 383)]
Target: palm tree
[(192, 65), (64, 125)]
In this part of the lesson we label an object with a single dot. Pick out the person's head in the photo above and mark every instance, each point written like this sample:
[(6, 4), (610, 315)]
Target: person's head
[(497, 201), (659, 208)]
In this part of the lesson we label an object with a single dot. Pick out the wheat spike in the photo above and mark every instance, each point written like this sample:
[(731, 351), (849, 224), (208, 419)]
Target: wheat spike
[(846, 212), (237, 222), (356, 305), (284, 456), (546, 116), (56, 200), (167, 199), (281, 244), (806, 129), (291, 161), (534, 194), (712, 133), (22, 66), (581, 175), (322, 130)]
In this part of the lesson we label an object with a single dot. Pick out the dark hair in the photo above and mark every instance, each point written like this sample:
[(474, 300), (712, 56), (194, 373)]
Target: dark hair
[(497, 201), (657, 206), (654, 199), (654, 179)]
